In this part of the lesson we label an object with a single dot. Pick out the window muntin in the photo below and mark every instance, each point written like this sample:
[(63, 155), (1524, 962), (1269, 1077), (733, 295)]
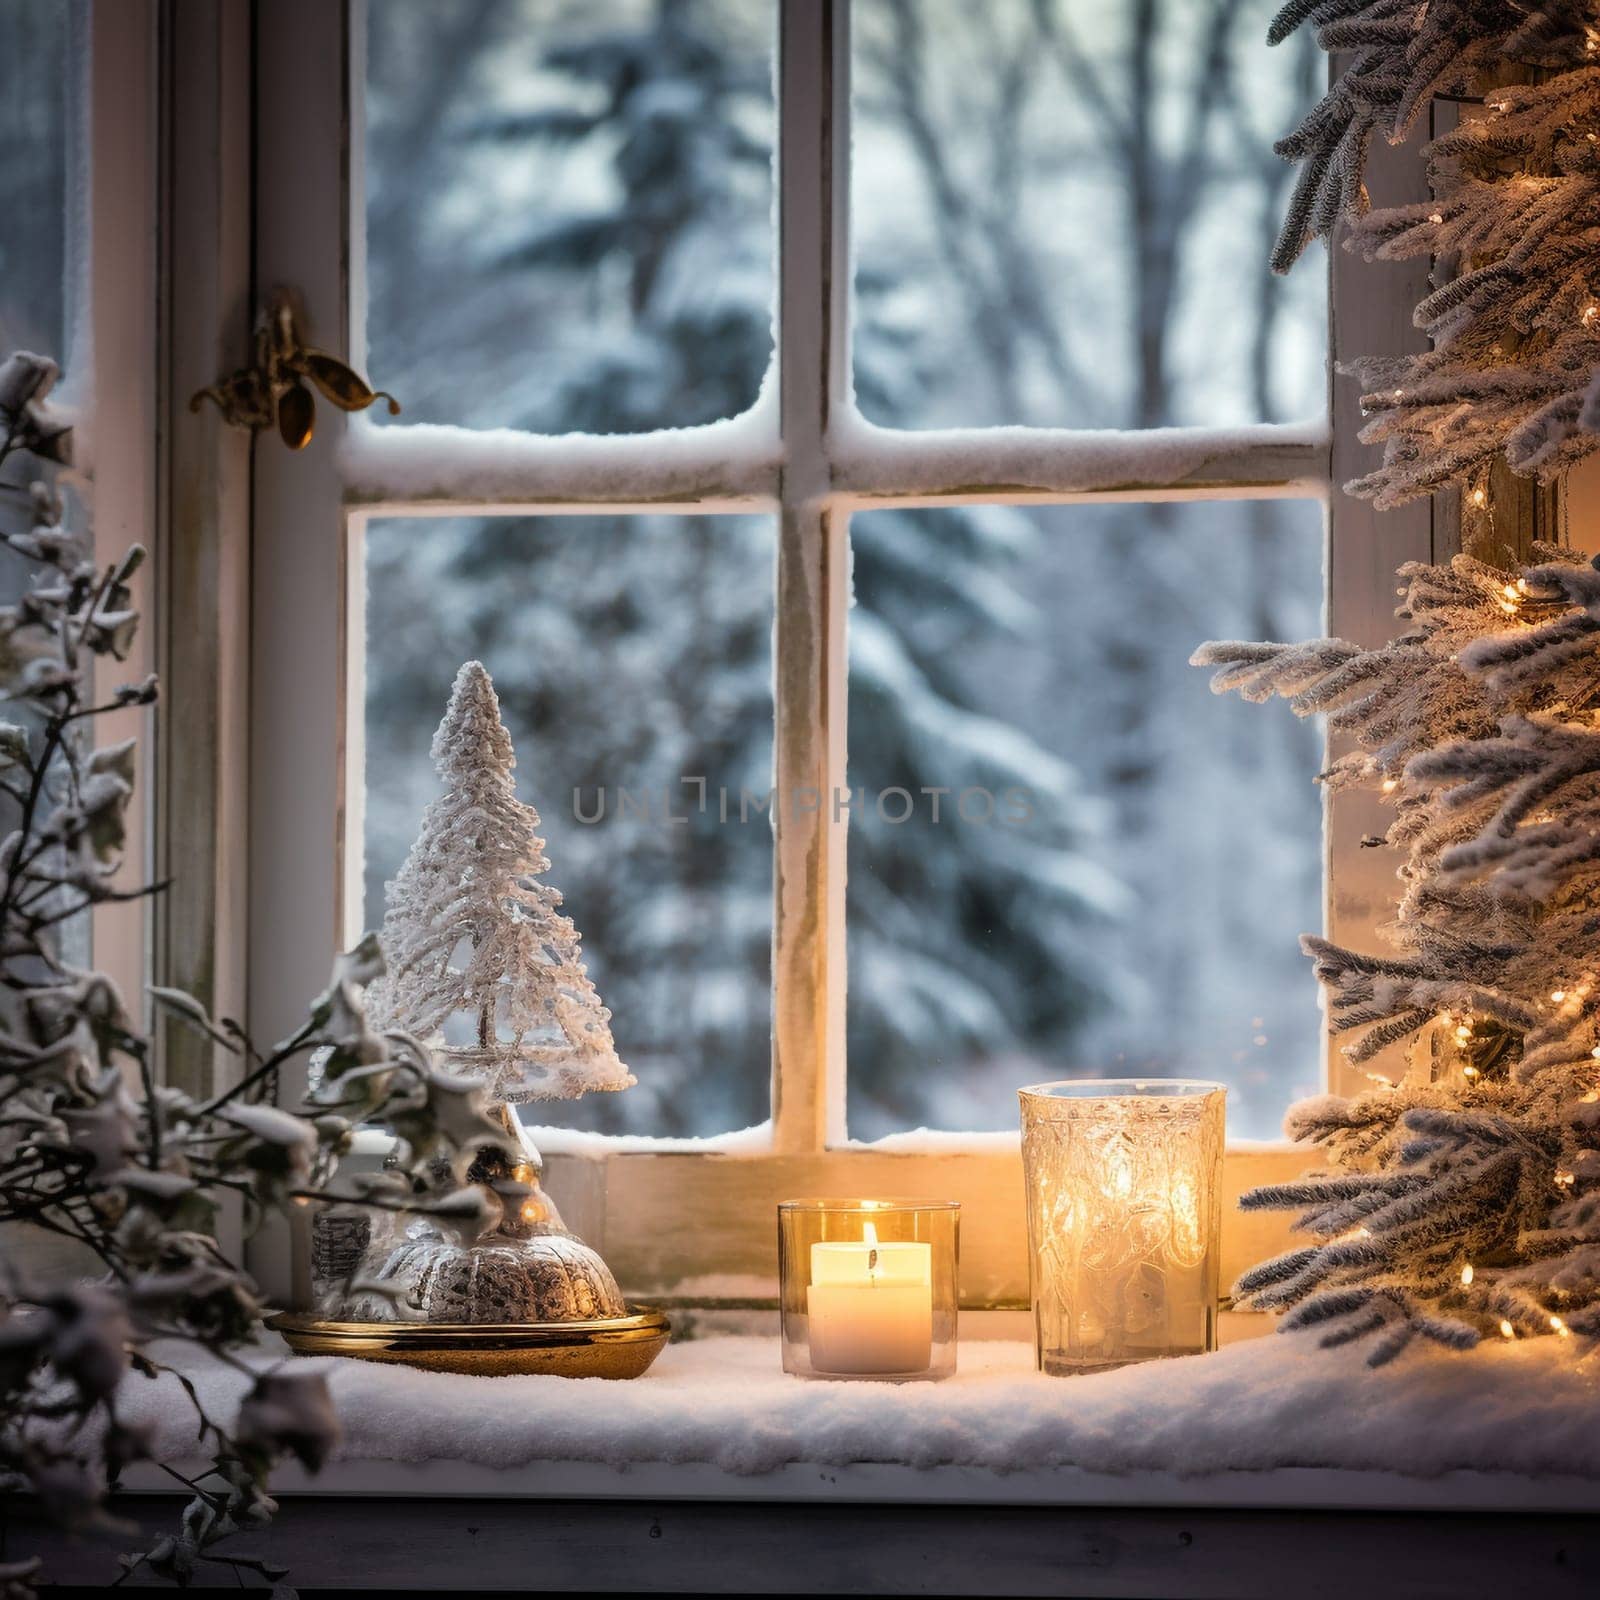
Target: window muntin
[(1119, 864), (632, 660)]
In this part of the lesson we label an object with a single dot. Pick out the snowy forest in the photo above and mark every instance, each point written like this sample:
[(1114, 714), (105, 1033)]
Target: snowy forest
[(1061, 211)]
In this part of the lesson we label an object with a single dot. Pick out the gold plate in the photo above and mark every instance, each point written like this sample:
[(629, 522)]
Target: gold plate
[(609, 1347)]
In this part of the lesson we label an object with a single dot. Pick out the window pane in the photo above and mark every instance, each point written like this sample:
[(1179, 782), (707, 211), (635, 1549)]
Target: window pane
[(630, 654), (569, 210), (1122, 889), (41, 59), (1063, 210), (34, 130)]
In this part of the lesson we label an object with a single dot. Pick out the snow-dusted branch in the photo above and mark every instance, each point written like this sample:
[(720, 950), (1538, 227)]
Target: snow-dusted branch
[(1469, 1196), (130, 1175), (1515, 332)]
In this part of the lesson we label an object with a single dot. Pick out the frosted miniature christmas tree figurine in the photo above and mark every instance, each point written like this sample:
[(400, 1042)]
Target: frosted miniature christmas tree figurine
[(480, 954), (484, 968)]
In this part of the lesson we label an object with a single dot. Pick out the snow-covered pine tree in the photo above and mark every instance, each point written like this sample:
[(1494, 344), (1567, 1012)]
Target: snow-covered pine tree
[(472, 936), (1514, 366), (1468, 1197)]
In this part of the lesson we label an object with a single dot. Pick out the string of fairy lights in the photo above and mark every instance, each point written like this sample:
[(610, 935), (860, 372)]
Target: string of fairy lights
[(1515, 599)]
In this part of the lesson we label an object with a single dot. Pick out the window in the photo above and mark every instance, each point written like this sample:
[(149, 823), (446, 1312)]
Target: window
[(966, 592), (633, 656), (1121, 864), (77, 284), (39, 108), (36, 118)]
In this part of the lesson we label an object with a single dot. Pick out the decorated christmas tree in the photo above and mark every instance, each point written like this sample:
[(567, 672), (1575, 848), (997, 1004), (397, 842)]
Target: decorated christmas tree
[(1466, 1200), (1465, 1196), (481, 957)]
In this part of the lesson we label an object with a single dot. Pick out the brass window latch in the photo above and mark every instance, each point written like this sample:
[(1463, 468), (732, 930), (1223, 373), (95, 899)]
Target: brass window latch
[(273, 390)]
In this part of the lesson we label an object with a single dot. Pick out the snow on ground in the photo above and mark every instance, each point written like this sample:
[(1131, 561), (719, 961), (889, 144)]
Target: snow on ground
[(1532, 1407)]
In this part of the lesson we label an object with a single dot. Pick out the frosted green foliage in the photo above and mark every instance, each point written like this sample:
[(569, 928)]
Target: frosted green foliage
[(1515, 331), (1467, 1200), (471, 933)]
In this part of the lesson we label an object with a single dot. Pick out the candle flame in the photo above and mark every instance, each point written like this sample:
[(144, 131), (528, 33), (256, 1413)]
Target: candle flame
[(869, 1234)]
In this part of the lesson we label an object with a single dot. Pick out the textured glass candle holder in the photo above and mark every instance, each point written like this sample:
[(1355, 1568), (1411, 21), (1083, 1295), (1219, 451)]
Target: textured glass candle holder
[(869, 1288), (1124, 1219)]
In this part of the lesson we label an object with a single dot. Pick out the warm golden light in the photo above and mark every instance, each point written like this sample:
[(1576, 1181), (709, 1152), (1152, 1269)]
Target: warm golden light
[(1466, 1274), (1124, 1217), (868, 1288)]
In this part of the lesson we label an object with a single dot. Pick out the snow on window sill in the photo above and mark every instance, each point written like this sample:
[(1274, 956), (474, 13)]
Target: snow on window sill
[(1269, 1421), (372, 1144)]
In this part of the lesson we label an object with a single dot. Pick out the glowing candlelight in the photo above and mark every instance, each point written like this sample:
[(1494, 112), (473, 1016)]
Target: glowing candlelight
[(1124, 1217), (869, 1288), (870, 1305)]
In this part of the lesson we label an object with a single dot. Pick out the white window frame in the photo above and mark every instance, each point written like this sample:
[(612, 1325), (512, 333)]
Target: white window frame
[(691, 1224)]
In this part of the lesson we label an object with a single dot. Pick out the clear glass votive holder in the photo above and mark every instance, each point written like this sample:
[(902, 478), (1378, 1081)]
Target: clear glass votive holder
[(1124, 1198), (869, 1288)]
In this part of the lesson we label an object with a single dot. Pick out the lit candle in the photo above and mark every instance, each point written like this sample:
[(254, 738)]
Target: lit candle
[(1123, 1180), (870, 1306)]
